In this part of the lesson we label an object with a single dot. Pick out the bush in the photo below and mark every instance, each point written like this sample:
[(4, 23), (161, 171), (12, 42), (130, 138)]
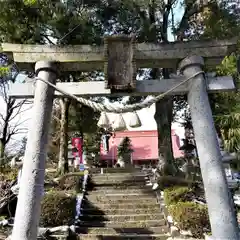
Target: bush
[(190, 216), (50, 175), (170, 181), (177, 194), (57, 209), (71, 181), (9, 174)]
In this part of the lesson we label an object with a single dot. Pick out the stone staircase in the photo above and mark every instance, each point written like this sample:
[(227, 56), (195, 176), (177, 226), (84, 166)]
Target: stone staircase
[(121, 207)]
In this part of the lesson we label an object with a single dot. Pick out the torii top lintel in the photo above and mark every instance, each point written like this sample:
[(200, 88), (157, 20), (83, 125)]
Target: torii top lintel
[(145, 55)]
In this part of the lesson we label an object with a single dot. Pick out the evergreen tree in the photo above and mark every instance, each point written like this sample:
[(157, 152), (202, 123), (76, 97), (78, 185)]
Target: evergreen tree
[(124, 151), (124, 147), (222, 22)]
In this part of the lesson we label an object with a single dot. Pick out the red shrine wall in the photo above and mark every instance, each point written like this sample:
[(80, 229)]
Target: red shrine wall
[(144, 144)]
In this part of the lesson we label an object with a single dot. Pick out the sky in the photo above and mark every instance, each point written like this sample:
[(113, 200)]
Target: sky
[(23, 117), (146, 115)]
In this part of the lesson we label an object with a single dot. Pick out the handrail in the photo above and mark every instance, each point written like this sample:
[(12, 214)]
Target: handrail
[(152, 176), (80, 197)]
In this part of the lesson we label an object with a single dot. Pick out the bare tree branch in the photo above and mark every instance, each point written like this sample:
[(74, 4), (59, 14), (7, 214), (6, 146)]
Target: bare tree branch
[(20, 109), (13, 108)]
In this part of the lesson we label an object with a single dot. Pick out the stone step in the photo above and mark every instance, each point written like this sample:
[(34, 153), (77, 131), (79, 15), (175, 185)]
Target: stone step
[(130, 182), (123, 236), (128, 224), (123, 200), (123, 174), (122, 191), (119, 181), (117, 231), (121, 218), (118, 176), (113, 187), (131, 205), (125, 196), (115, 170), (122, 211), (117, 187)]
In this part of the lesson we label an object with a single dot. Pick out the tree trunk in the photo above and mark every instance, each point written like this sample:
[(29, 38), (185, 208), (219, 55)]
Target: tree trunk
[(63, 148), (163, 114), (5, 136), (163, 117), (2, 150)]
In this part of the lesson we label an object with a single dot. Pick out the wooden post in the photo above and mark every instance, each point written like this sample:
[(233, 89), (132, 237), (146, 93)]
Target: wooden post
[(32, 180), (220, 204)]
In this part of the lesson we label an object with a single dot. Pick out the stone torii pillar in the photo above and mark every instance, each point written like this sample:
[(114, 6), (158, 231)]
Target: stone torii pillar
[(219, 201), (30, 194)]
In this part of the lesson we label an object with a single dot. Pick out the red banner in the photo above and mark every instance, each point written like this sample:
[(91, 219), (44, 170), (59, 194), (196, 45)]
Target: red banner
[(77, 149)]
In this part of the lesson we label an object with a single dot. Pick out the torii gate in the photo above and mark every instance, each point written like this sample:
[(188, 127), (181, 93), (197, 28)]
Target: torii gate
[(120, 57)]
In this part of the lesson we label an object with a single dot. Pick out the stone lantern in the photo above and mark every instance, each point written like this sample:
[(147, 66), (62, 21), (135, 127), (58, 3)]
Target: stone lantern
[(227, 159)]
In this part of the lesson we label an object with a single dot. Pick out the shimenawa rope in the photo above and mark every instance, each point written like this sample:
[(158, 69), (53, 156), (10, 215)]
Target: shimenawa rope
[(112, 108)]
